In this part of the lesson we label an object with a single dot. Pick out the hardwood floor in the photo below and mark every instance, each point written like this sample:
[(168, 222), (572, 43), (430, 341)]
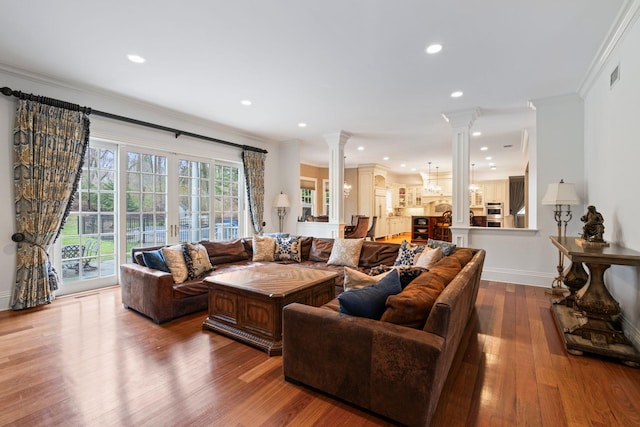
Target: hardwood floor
[(85, 360)]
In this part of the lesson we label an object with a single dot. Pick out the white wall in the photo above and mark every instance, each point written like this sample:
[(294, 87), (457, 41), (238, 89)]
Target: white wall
[(120, 132), (612, 160), (527, 256)]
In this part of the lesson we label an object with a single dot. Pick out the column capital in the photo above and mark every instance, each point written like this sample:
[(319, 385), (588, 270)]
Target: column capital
[(340, 137), (462, 118)]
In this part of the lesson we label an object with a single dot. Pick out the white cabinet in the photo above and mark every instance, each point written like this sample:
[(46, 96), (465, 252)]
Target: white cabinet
[(476, 198), (397, 225), (495, 191), (399, 196), (371, 181)]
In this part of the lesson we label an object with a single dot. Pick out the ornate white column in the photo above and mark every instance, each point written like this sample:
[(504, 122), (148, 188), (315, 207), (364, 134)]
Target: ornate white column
[(336, 142), (460, 122)]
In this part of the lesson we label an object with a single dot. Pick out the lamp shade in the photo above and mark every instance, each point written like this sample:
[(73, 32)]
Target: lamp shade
[(282, 201), (561, 193)]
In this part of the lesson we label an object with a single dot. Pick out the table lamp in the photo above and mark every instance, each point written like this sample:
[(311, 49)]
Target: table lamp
[(560, 194), (282, 203)]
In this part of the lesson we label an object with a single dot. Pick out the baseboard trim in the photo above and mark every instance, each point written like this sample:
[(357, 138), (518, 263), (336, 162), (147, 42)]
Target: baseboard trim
[(5, 300), (630, 331), (520, 277)]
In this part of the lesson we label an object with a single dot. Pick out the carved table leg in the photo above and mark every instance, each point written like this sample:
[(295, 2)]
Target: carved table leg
[(575, 277), (596, 300)]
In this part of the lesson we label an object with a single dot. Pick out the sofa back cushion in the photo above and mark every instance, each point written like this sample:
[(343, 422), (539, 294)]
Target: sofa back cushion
[(376, 253), (447, 268), (463, 255), (320, 249), (305, 247), (412, 306), (225, 251)]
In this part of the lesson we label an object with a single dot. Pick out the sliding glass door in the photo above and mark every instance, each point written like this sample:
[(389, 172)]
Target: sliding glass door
[(146, 178), (87, 241), (163, 199), (194, 200)]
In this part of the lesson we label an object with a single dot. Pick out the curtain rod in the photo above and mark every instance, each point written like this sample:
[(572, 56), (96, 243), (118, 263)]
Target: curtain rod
[(87, 110)]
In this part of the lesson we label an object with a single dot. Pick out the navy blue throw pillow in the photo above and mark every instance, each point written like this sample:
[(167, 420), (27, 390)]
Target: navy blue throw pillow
[(155, 260), (370, 301)]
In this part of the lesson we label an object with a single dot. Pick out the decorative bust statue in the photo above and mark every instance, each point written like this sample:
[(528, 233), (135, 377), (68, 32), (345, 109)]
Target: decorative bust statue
[(593, 225)]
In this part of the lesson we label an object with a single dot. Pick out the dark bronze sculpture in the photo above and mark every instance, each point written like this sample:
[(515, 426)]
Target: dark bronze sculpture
[(593, 229)]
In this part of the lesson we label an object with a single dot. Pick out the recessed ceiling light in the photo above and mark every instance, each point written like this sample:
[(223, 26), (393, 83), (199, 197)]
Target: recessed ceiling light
[(433, 48), (302, 125), (476, 133), (246, 102), (136, 59), (488, 158), (457, 94), (493, 168), (402, 165), (385, 158), (484, 148), (361, 148), (413, 169)]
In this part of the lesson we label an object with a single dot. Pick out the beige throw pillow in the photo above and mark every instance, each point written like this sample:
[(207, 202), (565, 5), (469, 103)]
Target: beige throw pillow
[(354, 279), (428, 257), (263, 248), (174, 257), (346, 252)]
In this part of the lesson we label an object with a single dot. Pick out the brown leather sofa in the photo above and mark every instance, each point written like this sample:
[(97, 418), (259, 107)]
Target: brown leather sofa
[(155, 294), (393, 370)]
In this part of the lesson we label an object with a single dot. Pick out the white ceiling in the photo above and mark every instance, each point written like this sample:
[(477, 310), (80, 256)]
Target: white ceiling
[(353, 65)]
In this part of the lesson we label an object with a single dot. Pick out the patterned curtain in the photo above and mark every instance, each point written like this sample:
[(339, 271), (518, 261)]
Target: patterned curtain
[(254, 177), (49, 144)]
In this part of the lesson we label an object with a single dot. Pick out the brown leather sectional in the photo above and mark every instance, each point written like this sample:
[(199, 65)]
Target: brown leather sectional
[(395, 367), (393, 370), (155, 294)]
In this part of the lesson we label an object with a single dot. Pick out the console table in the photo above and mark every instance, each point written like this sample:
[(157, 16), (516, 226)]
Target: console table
[(588, 318)]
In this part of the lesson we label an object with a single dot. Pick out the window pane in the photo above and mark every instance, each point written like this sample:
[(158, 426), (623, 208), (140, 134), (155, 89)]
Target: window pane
[(133, 162)]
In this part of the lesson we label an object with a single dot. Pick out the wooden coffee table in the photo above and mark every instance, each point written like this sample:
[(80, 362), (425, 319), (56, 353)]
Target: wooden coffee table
[(247, 304)]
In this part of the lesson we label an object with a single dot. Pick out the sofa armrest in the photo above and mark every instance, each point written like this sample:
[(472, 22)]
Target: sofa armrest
[(389, 369), (147, 291)]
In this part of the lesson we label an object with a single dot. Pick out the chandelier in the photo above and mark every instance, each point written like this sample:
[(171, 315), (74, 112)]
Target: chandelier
[(473, 187), (428, 185), (437, 188), (346, 189)]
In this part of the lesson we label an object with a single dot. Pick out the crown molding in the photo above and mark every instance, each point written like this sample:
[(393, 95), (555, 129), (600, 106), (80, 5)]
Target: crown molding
[(627, 16)]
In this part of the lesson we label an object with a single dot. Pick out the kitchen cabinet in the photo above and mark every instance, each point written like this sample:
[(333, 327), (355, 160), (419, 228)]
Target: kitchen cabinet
[(399, 196), (398, 225), (495, 191), (476, 198), (372, 196)]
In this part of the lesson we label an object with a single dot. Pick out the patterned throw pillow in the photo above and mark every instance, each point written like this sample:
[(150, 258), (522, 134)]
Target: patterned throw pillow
[(263, 248), (346, 252), (407, 253), (428, 257), (174, 257), (407, 272), (287, 248), (447, 248), (197, 260), (354, 279)]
